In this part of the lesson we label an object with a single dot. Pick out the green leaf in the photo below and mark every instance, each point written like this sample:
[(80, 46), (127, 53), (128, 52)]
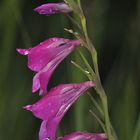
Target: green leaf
[(137, 130)]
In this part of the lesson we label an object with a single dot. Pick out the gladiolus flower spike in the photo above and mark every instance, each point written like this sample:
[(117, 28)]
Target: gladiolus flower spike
[(53, 8), (53, 106), (45, 57)]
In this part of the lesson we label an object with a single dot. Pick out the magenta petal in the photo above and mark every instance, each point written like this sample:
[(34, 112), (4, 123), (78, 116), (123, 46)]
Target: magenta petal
[(41, 79), (84, 136), (42, 132), (36, 83), (42, 53), (23, 51), (52, 107), (28, 107), (48, 130), (39, 57), (53, 8), (45, 57)]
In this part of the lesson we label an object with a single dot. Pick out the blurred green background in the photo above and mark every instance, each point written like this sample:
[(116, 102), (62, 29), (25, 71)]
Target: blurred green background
[(114, 27)]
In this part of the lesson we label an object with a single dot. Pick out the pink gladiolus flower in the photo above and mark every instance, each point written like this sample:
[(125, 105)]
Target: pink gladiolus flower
[(84, 136), (45, 57), (53, 8), (53, 106)]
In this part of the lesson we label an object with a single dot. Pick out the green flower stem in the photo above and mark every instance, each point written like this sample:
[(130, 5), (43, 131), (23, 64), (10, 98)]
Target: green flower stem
[(83, 22), (107, 120), (99, 87), (103, 98), (96, 78)]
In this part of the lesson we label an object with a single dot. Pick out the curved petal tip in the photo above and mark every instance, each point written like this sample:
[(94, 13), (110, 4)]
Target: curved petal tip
[(22, 51), (28, 107)]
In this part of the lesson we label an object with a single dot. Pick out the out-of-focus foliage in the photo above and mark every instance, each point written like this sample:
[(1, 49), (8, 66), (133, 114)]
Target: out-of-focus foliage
[(114, 27)]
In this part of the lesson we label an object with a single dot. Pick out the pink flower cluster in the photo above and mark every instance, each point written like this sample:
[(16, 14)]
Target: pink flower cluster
[(44, 59)]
